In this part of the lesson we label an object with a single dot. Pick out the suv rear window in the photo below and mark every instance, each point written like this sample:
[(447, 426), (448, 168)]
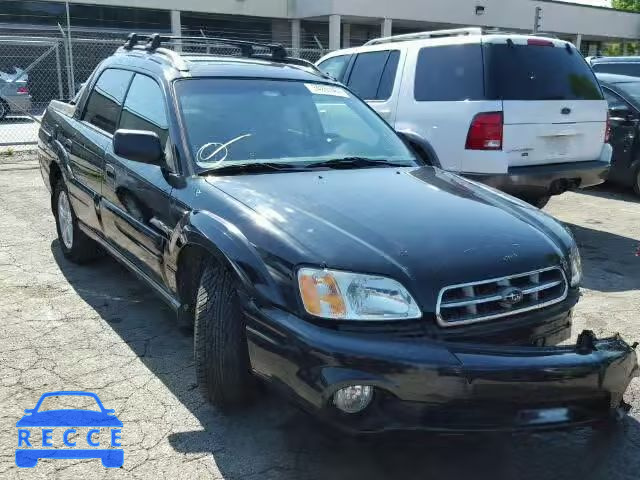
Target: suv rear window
[(532, 72), (449, 73)]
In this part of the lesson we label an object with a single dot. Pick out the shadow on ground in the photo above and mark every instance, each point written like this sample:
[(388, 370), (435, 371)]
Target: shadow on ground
[(275, 440), (610, 262), (610, 190)]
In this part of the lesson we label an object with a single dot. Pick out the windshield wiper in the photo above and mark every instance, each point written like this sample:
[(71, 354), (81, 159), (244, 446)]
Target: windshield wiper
[(255, 167), (357, 162)]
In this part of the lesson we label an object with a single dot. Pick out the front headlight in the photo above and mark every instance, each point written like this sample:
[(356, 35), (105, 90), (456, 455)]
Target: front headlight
[(576, 266), (344, 295)]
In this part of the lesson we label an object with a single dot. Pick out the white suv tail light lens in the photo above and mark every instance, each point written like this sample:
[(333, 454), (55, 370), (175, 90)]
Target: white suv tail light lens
[(485, 132)]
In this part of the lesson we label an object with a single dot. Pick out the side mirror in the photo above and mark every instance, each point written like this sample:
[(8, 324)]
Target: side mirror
[(138, 145)]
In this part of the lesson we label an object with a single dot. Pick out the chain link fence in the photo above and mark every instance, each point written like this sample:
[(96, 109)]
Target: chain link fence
[(35, 70)]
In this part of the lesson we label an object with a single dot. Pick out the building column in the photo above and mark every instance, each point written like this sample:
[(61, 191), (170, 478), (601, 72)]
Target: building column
[(386, 27), (624, 49), (578, 42), (176, 27), (346, 35), (334, 32), (296, 36)]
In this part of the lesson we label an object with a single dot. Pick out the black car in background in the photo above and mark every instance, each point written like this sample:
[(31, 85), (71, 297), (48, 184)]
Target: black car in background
[(616, 65), (623, 95), (310, 247)]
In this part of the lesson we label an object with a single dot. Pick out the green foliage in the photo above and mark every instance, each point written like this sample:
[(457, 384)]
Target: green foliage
[(632, 5)]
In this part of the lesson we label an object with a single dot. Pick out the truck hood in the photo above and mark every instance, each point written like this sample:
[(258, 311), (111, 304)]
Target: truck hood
[(423, 226)]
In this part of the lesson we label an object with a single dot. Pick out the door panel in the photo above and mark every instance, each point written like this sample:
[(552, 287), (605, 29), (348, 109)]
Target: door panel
[(136, 196), (623, 136)]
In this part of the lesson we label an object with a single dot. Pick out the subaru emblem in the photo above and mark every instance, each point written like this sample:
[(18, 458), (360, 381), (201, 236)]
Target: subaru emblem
[(565, 111)]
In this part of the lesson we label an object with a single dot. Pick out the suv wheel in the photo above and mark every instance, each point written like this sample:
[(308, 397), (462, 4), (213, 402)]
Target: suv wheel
[(220, 342), (539, 201), (75, 245)]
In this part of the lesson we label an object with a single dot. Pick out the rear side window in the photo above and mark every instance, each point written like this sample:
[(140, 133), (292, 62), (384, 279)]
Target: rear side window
[(449, 73), (533, 72), (631, 69), (373, 74), (105, 101), (335, 66), (144, 108)]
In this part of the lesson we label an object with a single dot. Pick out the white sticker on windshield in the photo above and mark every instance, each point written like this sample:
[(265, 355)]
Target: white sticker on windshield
[(318, 89)]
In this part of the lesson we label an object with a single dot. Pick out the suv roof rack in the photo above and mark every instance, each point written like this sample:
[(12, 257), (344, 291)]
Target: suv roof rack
[(453, 32), (153, 44)]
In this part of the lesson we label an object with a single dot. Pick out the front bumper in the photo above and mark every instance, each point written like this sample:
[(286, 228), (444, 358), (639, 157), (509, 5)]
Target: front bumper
[(551, 179), (424, 384)]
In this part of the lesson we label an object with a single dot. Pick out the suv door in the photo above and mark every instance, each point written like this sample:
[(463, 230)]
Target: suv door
[(373, 78), (624, 126), (85, 143), (136, 196)]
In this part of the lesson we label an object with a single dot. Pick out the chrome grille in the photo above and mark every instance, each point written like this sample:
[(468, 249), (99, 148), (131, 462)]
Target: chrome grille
[(499, 297)]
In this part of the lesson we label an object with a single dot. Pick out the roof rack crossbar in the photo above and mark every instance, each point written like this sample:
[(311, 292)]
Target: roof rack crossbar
[(430, 34), (155, 42)]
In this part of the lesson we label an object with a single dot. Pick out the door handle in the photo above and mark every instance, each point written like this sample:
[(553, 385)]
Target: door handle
[(110, 172)]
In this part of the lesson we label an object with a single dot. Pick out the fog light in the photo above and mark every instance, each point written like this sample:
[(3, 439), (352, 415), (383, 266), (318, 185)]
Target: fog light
[(354, 398)]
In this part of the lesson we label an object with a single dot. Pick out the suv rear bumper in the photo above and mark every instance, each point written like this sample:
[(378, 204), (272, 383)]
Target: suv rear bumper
[(549, 179), (426, 384)]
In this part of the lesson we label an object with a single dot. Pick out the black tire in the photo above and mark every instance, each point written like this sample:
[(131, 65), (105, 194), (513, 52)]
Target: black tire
[(636, 181), (82, 249), (539, 201), (220, 343), (4, 109)]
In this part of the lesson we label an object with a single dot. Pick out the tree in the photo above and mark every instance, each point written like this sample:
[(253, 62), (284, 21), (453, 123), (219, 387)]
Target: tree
[(632, 5)]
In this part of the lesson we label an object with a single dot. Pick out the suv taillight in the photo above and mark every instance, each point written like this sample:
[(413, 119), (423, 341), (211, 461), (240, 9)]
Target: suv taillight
[(485, 132), (23, 90), (607, 130)]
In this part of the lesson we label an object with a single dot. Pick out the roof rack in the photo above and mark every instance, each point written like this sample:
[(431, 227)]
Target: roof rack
[(452, 32), (153, 44)]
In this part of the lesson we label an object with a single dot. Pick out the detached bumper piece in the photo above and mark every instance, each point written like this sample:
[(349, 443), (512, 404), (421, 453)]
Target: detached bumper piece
[(422, 384)]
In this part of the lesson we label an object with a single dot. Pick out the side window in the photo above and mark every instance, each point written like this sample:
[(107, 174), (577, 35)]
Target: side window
[(631, 69), (341, 121), (335, 66), (449, 73), (105, 101), (373, 74), (144, 108)]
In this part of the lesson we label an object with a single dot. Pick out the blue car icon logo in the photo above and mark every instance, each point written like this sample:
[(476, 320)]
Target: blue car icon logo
[(69, 419)]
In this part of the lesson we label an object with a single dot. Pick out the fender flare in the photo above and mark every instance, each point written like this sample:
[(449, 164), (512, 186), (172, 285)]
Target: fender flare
[(422, 146), (226, 242)]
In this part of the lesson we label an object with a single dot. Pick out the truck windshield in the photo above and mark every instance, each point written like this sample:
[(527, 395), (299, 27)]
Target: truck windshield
[(245, 121)]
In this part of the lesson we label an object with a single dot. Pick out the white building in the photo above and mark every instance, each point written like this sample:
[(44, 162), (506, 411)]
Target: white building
[(330, 23)]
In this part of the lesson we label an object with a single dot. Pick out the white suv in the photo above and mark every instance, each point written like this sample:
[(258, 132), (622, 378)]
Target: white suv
[(522, 113)]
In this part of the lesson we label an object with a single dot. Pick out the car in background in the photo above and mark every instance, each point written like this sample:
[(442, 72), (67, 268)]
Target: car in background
[(522, 113), (623, 95), (14, 93), (616, 65)]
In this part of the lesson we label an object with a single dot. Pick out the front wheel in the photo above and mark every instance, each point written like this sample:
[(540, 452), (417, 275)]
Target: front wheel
[(220, 342), (75, 245)]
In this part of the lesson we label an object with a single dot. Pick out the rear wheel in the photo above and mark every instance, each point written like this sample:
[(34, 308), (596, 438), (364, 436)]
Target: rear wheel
[(220, 343), (636, 181), (75, 245), (539, 201)]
